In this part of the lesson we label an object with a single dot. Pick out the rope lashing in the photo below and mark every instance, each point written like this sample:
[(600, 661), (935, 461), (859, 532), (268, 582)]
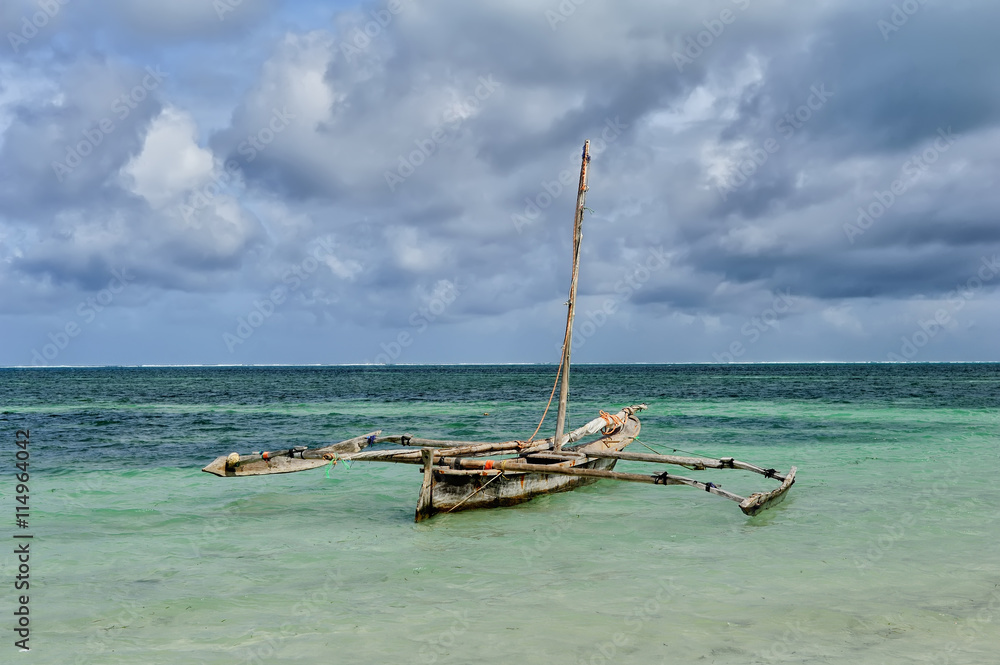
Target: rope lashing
[(709, 486), (371, 440), (769, 473), (660, 478), (614, 423), (334, 458), (405, 439)]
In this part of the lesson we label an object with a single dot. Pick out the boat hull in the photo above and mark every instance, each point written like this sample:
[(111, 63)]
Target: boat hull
[(457, 490)]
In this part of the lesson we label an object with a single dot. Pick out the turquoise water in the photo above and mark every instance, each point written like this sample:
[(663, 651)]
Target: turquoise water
[(886, 550)]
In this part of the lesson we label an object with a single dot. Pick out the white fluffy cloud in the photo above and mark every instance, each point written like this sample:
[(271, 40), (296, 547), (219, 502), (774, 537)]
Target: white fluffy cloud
[(171, 163)]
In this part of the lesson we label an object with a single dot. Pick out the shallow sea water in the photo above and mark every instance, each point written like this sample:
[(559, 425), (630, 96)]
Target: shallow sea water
[(886, 550)]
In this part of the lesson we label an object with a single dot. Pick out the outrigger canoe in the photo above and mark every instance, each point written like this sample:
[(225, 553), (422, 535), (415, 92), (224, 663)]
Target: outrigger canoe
[(464, 475)]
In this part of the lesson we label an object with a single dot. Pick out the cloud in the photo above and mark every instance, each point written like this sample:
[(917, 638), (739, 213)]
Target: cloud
[(417, 139), (171, 162)]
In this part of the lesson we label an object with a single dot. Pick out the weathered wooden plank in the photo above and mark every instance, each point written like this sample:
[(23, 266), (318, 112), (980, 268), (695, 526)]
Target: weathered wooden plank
[(425, 501), (415, 456), (345, 446)]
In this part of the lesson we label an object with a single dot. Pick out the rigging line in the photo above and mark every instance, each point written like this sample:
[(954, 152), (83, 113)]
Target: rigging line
[(476, 492), (562, 359), (676, 450), (642, 443)]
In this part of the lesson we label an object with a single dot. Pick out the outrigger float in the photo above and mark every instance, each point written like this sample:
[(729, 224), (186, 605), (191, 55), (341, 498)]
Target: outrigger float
[(462, 475)]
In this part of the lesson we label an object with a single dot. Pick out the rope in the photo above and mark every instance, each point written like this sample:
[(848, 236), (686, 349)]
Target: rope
[(641, 443), (562, 359), (676, 450), (476, 492), (614, 423), (551, 395)]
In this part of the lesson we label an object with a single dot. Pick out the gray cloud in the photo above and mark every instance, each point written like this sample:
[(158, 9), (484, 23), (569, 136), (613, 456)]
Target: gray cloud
[(430, 150)]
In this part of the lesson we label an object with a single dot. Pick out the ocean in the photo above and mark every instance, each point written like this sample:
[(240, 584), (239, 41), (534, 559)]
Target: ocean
[(885, 551)]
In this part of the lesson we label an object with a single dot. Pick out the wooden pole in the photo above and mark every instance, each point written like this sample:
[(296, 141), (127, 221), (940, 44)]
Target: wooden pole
[(695, 463), (415, 456), (501, 466), (412, 441), (425, 507), (581, 198)]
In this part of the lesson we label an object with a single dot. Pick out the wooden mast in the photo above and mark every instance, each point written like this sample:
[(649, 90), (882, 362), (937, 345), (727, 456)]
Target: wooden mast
[(581, 198)]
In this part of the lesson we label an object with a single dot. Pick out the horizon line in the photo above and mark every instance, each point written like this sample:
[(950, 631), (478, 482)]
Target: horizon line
[(510, 364)]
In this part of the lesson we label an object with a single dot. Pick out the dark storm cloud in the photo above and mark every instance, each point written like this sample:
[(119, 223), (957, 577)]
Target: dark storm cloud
[(764, 146)]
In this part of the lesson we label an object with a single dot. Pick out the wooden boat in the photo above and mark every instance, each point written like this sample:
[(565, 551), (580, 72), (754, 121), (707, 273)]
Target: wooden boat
[(463, 475), (477, 483)]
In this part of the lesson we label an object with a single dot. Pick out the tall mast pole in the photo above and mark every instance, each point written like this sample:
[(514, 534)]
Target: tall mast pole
[(581, 198)]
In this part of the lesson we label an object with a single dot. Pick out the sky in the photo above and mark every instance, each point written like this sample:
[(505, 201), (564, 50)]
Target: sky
[(256, 182)]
